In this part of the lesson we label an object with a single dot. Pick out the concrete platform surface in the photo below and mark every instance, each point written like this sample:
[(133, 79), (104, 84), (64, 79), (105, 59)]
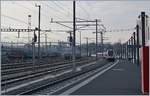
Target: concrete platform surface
[(122, 79)]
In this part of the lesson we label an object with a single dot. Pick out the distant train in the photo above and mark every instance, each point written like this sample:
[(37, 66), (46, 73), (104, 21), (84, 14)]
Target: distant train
[(108, 55)]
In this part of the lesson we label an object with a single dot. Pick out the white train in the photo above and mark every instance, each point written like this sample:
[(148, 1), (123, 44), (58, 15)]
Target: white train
[(109, 55)]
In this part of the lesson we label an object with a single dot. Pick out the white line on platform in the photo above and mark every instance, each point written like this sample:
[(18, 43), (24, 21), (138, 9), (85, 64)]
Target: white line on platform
[(118, 69), (76, 87)]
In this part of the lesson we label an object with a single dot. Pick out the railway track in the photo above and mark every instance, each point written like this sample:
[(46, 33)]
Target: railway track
[(43, 60), (26, 74), (30, 64), (25, 64), (24, 71), (58, 88), (11, 83), (62, 76), (31, 67)]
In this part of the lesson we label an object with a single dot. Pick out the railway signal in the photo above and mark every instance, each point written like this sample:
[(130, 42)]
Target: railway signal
[(35, 38), (70, 39)]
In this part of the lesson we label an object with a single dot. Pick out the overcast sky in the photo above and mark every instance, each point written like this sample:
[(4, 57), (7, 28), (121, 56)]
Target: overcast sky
[(114, 15)]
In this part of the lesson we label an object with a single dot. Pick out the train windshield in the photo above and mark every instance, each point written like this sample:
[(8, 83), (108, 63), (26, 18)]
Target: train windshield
[(110, 53)]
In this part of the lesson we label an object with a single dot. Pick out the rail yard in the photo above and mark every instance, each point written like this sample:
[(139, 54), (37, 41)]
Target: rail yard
[(75, 47)]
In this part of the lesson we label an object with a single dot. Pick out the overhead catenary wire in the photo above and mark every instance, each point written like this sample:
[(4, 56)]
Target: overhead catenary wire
[(120, 30), (57, 16), (34, 11), (18, 20), (84, 10), (15, 19), (66, 8), (60, 17), (62, 8), (51, 8)]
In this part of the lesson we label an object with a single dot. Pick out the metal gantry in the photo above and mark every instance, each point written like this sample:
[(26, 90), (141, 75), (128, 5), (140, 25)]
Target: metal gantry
[(77, 25)]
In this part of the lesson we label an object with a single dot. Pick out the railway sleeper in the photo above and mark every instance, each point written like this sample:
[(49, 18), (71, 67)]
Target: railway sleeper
[(30, 87)]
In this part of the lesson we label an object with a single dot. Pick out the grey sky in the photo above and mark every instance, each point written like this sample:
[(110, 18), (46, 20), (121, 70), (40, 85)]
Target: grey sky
[(114, 15)]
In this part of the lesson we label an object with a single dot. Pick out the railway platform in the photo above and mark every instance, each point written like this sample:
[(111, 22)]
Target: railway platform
[(121, 79)]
